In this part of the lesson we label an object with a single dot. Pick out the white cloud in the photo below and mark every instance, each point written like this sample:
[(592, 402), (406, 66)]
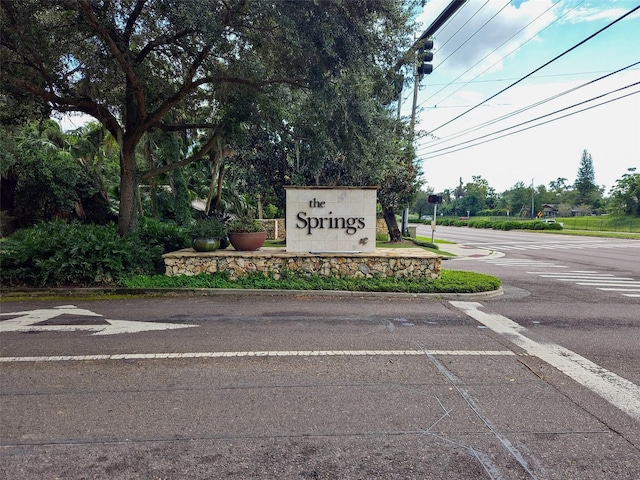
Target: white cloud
[(485, 31), (595, 13)]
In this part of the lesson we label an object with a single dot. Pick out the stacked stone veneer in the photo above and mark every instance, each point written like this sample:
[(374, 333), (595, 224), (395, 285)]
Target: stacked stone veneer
[(388, 263), (275, 228)]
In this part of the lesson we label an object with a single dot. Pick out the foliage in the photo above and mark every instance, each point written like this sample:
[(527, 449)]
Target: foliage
[(421, 205), (209, 227), (60, 253), (500, 224), (585, 184), (46, 175), (244, 224), (205, 67), (166, 234), (430, 245), (449, 282), (625, 195)]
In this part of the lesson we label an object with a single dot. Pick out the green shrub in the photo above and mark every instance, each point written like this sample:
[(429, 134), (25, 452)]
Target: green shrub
[(426, 244), (449, 281), (511, 225), (481, 224), (167, 234), (210, 227), (59, 253)]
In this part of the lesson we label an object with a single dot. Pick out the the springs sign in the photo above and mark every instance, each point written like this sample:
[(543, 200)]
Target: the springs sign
[(331, 219)]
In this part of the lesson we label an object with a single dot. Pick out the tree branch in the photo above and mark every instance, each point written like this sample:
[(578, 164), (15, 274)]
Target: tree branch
[(133, 17), (111, 45), (163, 40), (72, 104), (196, 156), (188, 86)]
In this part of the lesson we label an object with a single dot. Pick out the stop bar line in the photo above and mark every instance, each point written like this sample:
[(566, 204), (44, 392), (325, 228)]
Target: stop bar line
[(270, 353)]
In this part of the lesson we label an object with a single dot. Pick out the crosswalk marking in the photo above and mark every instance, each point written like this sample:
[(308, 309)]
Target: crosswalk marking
[(560, 246), (589, 278)]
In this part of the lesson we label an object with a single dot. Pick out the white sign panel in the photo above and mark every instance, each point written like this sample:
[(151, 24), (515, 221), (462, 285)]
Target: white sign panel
[(331, 219)]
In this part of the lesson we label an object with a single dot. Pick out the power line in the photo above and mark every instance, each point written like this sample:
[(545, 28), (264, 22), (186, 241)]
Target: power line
[(473, 35), (435, 154), (521, 110), (496, 80), (463, 25), (497, 48), (539, 68)]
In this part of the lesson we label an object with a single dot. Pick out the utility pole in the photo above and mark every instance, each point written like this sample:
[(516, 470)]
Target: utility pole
[(418, 46), (445, 15), (532, 200)]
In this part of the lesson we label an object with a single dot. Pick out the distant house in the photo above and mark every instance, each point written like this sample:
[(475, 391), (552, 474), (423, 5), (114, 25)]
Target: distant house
[(549, 210)]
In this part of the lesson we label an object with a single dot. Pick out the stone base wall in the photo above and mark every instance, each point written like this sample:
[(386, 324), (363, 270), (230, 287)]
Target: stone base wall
[(188, 262), (381, 228), (275, 228)]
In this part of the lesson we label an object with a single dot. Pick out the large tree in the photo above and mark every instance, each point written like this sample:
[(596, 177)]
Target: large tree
[(585, 184), (625, 195), (192, 66)]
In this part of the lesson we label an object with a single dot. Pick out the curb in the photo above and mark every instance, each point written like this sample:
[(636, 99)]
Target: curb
[(80, 292)]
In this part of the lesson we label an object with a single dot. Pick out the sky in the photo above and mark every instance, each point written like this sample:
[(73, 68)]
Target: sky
[(491, 45)]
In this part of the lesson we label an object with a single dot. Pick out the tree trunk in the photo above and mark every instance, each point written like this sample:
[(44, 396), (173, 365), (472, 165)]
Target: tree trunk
[(128, 215), (392, 225), (219, 191)]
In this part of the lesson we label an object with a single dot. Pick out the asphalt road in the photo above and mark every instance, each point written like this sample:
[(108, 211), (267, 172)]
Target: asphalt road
[(535, 384)]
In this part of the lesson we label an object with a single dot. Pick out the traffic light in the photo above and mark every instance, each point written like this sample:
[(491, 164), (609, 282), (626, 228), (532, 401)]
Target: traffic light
[(425, 55), (434, 198)]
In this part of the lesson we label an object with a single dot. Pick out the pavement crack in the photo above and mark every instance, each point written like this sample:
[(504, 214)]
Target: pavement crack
[(471, 402)]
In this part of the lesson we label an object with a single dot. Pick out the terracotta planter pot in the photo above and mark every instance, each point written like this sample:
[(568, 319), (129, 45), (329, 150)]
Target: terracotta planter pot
[(247, 241)]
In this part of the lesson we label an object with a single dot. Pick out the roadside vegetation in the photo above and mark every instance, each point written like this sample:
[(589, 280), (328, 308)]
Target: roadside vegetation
[(70, 254), (449, 282), (216, 125), (601, 226)]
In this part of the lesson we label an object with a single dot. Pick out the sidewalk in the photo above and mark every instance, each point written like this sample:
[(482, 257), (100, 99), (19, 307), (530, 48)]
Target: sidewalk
[(463, 251)]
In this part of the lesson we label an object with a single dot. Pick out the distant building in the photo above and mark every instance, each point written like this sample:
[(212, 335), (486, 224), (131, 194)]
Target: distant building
[(549, 210)]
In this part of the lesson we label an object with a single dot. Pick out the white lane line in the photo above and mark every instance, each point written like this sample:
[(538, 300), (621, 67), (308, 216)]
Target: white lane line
[(618, 391), (271, 353), (620, 289), (579, 275)]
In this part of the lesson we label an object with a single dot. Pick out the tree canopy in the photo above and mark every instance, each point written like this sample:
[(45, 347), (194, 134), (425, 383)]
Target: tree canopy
[(208, 69)]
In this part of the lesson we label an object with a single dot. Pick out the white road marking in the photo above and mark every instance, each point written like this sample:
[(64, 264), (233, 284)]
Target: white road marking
[(618, 391), (503, 262), (578, 275), (559, 245), (592, 279), (267, 353), (620, 289), (30, 321)]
